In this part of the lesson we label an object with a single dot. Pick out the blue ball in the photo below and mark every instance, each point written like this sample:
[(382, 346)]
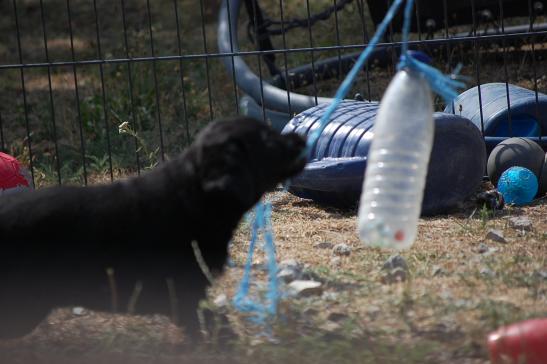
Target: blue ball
[(518, 185)]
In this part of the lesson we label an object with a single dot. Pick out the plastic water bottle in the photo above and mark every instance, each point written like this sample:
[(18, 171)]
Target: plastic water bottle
[(396, 171)]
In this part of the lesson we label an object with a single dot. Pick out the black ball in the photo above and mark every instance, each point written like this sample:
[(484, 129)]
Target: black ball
[(515, 152)]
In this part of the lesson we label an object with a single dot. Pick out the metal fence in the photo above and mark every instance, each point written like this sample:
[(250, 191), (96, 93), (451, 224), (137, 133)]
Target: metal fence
[(94, 89)]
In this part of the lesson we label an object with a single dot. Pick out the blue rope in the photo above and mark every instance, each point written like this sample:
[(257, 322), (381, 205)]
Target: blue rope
[(444, 85), (348, 81), (242, 301), (406, 25), (272, 295), (441, 84)]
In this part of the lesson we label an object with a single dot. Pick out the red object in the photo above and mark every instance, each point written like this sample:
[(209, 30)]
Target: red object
[(10, 172), (520, 343)]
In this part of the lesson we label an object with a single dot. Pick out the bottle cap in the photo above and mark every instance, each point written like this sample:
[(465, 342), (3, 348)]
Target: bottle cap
[(420, 56)]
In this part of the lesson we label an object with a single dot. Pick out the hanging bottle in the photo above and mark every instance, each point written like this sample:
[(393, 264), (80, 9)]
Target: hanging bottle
[(398, 158)]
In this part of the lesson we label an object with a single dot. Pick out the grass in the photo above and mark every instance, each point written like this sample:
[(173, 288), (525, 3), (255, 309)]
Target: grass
[(432, 317), (452, 311)]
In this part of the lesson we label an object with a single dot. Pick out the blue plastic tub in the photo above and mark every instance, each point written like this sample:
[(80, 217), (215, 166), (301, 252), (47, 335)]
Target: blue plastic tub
[(335, 175), (524, 118)]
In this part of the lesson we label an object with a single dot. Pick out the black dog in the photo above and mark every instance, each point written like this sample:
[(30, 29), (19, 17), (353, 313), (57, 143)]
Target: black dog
[(58, 243)]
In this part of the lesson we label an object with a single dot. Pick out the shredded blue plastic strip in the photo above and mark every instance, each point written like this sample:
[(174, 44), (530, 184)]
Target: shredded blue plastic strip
[(352, 75), (272, 295), (440, 83), (242, 300), (444, 85)]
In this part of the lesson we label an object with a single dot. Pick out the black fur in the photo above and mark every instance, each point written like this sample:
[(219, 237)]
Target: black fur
[(57, 243)]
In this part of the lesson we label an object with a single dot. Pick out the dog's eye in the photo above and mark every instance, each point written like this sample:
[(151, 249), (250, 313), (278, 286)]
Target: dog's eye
[(265, 136), (238, 146)]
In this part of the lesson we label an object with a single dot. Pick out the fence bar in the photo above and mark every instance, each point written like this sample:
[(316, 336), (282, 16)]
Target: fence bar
[(2, 140), (285, 61), (50, 89), (130, 83), (23, 88), (361, 6), (77, 92), (352, 47), (338, 43), (255, 23), (183, 91), (236, 96), (103, 92), (506, 74), (534, 67), (204, 37), (476, 53), (310, 36), (155, 74)]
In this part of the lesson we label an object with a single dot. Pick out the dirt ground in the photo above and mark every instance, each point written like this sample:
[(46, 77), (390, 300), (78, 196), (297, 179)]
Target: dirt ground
[(460, 285)]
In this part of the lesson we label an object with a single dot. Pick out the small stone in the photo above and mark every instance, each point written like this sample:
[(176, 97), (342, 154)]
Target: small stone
[(78, 311), (310, 311), (496, 235), (520, 223), (487, 272), (541, 274), (373, 312), (305, 288), (337, 316), (461, 303), (336, 262), (395, 261), (437, 271), (483, 248), (259, 266), (357, 333), (256, 341), (330, 296), (397, 275), (289, 263), (288, 275), (323, 245), (341, 249), (330, 326), (446, 295), (221, 300)]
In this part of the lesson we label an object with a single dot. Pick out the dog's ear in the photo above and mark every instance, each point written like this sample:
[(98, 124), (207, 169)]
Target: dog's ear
[(234, 185), (227, 177)]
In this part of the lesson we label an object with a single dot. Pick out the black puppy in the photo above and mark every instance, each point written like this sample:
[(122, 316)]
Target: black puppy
[(58, 243)]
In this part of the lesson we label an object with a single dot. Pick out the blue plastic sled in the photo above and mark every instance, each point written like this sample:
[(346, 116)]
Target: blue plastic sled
[(335, 174), (524, 118)]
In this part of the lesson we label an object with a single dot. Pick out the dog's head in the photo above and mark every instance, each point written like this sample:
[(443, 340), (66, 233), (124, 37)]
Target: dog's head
[(239, 159)]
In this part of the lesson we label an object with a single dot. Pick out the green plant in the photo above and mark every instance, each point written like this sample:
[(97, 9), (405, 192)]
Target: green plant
[(125, 129), (484, 215), (99, 164)]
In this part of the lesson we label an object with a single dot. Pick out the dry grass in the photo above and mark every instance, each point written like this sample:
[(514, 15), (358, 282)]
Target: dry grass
[(441, 314), (449, 297)]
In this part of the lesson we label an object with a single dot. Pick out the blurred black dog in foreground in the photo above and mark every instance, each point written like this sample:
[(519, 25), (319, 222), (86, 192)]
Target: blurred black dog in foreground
[(57, 244)]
